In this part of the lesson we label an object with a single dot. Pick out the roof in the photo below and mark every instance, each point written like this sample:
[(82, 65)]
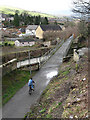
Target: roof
[(50, 27), (32, 27), (22, 29), (26, 40)]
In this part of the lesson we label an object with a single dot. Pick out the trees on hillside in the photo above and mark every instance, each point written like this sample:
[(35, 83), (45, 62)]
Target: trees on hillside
[(26, 19), (16, 19), (45, 21), (37, 20)]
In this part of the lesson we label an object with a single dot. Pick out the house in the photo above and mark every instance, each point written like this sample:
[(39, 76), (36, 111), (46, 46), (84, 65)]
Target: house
[(47, 43), (46, 28), (24, 42), (31, 30), (5, 17), (62, 27), (22, 30)]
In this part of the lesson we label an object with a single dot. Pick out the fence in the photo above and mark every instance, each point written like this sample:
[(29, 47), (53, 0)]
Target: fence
[(12, 39), (70, 40), (48, 54), (9, 66), (41, 60)]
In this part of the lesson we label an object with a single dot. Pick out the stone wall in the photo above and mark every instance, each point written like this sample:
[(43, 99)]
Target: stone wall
[(75, 56), (11, 56), (24, 55), (70, 40), (8, 67)]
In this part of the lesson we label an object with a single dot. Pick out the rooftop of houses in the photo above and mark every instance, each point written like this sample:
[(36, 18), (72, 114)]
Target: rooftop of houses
[(50, 27), (27, 40), (32, 27), (22, 30)]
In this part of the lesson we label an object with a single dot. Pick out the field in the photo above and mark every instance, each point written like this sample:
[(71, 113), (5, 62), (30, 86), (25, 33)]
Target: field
[(11, 10)]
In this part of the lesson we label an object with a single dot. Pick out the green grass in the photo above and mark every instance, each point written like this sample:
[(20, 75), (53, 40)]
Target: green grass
[(11, 10), (65, 72), (43, 110), (0, 43), (12, 82), (9, 43), (58, 104), (48, 116)]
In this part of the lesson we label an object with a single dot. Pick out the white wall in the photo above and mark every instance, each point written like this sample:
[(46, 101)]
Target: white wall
[(17, 43), (48, 43), (31, 32)]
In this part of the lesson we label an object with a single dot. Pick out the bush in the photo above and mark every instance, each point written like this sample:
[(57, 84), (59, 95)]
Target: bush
[(9, 44), (6, 44), (43, 110), (48, 116)]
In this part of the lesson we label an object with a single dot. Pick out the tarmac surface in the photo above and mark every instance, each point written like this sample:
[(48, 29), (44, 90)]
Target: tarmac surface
[(20, 103)]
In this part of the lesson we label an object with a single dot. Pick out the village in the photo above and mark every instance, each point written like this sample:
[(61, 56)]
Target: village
[(33, 32), (18, 40), (42, 33)]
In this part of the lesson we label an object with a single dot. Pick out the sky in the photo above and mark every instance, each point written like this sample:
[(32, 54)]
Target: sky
[(54, 7)]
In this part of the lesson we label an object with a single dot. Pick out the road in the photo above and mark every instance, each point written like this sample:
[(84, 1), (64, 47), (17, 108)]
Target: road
[(20, 104)]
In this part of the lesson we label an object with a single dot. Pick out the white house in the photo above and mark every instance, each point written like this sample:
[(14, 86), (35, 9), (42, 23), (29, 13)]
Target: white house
[(24, 42), (62, 26), (47, 43), (31, 30)]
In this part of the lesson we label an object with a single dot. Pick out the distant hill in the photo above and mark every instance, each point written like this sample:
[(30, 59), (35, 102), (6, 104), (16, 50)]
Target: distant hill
[(11, 10)]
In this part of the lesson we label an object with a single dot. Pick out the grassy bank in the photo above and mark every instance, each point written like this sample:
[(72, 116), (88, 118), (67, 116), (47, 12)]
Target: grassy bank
[(66, 94), (11, 10), (12, 82)]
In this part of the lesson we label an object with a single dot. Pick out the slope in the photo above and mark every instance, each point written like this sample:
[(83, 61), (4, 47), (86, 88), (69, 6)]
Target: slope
[(11, 10)]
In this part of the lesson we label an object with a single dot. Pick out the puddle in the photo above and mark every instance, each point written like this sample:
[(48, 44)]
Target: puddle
[(52, 74)]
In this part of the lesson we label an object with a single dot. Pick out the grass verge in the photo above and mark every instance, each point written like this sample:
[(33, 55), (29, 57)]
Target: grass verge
[(12, 82)]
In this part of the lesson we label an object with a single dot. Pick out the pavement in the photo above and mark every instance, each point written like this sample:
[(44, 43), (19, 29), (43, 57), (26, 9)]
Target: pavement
[(20, 103)]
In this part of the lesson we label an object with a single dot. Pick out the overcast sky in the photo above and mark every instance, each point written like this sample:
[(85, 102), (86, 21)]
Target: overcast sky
[(55, 7)]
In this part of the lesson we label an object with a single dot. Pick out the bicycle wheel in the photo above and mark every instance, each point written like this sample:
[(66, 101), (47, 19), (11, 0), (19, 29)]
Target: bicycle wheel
[(30, 90)]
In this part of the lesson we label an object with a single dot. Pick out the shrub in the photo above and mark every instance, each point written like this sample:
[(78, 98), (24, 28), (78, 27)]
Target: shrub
[(48, 116), (6, 44), (43, 110)]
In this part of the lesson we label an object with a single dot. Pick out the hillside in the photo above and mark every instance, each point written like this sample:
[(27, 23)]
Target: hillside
[(11, 10), (66, 96)]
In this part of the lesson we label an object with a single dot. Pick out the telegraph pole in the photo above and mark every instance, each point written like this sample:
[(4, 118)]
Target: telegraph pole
[(29, 62)]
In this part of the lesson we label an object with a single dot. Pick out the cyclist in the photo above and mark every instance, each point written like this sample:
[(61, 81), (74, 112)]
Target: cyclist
[(30, 84)]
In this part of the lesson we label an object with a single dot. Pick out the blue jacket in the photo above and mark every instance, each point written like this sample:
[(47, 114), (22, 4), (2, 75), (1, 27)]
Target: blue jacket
[(30, 83)]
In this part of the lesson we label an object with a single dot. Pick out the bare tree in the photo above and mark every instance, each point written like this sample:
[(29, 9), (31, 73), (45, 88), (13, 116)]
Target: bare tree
[(81, 6), (62, 35)]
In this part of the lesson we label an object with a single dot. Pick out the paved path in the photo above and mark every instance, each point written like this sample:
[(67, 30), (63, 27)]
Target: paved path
[(21, 102)]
